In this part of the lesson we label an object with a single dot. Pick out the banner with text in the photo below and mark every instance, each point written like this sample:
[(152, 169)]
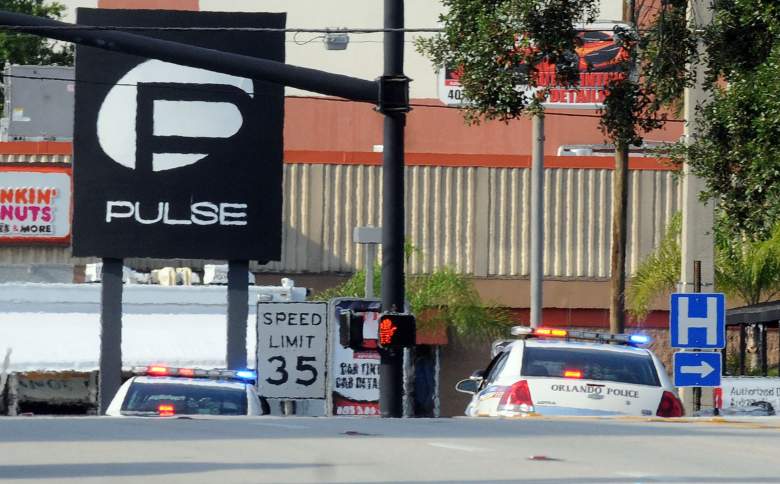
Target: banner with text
[(174, 161), (735, 392), (600, 59), (356, 373)]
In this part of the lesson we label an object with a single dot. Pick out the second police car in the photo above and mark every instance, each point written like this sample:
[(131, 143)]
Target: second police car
[(566, 372), (162, 391)]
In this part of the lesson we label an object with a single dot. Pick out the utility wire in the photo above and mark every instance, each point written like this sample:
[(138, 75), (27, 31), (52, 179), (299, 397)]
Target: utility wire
[(222, 29), (365, 30)]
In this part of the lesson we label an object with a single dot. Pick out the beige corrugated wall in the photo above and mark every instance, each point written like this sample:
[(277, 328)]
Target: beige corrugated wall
[(475, 220)]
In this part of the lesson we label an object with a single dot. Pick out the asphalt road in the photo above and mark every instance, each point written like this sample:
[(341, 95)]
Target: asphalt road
[(276, 449)]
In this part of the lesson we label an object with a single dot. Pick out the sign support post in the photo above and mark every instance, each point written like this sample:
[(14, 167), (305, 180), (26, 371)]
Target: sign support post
[(537, 219), (697, 289), (237, 312), (110, 332)]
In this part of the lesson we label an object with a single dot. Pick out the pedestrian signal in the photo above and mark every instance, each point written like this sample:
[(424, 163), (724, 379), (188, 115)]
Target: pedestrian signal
[(397, 330)]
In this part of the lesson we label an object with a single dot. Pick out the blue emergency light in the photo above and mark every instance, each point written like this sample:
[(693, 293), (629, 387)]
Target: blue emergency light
[(639, 339), (246, 375)]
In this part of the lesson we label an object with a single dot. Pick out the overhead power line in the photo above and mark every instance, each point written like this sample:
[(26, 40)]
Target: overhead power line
[(224, 29), (321, 30)]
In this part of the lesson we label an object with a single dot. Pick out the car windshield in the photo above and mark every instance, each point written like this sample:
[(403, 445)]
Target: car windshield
[(184, 399), (590, 364)]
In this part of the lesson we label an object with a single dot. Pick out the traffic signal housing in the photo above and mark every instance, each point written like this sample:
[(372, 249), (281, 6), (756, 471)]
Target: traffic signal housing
[(351, 329), (397, 330)]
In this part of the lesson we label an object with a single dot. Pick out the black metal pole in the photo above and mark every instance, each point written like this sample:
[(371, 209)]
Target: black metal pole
[(696, 288), (110, 378), (237, 313), (742, 348), (764, 354), (391, 363)]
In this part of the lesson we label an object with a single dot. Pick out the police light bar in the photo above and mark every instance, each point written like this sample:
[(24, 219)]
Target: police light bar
[(620, 338), (521, 330), (561, 333), (160, 370)]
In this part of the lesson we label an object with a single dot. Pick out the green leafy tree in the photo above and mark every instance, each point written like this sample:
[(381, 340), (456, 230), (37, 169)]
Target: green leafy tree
[(745, 269), (738, 151), (749, 269), (19, 48), (499, 45)]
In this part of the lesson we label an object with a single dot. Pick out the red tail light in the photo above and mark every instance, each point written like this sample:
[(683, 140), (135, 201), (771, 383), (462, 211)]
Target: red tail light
[(670, 406), (516, 400), (165, 410)]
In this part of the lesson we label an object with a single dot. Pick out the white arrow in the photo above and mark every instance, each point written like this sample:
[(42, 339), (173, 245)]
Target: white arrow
[(702, 369)]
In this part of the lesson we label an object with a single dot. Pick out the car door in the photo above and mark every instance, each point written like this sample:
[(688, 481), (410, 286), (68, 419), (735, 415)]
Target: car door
[(487, 397)]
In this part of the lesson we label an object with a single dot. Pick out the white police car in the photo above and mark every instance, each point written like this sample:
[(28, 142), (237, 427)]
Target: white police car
[(559, 372), (165, 392)]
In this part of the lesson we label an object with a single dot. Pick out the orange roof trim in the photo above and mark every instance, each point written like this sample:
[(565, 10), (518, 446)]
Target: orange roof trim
[(370, 158)]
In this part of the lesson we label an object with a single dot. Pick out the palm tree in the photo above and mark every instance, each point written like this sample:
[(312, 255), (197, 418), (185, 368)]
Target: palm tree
[(745, 269), (658, 273), (749, 269)]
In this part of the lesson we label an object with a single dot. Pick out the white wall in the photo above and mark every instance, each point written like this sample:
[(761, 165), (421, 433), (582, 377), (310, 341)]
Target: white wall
[(363, 56), (56, 327)]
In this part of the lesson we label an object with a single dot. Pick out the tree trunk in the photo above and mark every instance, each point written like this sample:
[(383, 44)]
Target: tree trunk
[(617, 312)]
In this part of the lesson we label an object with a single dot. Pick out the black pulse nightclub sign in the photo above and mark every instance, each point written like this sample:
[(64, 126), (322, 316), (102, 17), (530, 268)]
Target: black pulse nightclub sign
[(173, 161)]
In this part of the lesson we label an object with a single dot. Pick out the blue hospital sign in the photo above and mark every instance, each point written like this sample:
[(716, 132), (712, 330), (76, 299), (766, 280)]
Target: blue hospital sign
[(698, 320)]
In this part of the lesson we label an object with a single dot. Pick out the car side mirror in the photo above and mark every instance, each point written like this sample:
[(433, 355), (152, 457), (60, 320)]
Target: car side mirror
[(478, 375), (469, 385)]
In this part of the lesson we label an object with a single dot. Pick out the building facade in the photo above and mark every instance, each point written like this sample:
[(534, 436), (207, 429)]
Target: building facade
[(467, 187)]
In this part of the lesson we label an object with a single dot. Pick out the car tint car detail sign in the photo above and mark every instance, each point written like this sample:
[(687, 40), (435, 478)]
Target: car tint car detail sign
[(355, 389), (599, 57), (173, 161), (292, 349)]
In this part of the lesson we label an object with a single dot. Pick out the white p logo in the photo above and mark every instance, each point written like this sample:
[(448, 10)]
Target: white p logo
[(180, 119)]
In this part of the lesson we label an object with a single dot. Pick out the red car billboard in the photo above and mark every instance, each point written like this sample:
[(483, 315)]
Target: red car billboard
[(600, 60)]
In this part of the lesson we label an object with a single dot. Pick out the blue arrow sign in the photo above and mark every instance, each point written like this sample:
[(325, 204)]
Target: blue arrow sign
[(697, 369), (698, 320)]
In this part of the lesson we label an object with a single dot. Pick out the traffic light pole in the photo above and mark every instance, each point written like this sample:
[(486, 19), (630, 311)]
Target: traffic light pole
[(394, 104)]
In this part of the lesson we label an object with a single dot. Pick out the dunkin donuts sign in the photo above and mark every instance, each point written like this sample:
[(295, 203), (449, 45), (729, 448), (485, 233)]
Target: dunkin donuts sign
[(35, 204)]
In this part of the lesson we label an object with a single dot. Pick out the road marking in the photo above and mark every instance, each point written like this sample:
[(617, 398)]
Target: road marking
[(282, 426), (464, 448)]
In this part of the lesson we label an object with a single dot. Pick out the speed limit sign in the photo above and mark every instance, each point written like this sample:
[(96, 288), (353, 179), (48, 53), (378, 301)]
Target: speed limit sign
[(291, 349)]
